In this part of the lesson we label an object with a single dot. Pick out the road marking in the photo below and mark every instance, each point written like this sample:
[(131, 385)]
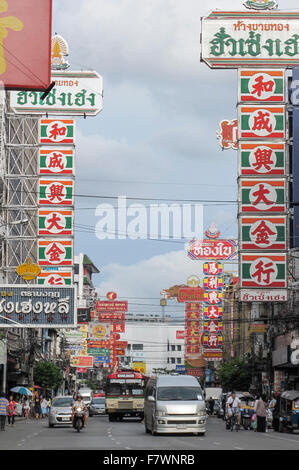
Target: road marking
[(283, 439), (239, 448)]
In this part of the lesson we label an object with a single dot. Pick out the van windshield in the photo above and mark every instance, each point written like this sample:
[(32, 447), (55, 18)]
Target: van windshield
[(179, 393)]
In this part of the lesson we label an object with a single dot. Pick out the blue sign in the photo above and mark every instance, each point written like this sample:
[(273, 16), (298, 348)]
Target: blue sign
[(37, 307), (180, 369), (101, 359)]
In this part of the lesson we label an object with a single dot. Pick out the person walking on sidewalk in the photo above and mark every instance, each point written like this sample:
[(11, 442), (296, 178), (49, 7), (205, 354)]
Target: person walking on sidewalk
[(11, 411), (26, 408), (3, 411), (261, 413)]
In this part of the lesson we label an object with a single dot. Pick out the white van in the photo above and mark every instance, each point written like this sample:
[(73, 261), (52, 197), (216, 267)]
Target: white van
[(174, 404)]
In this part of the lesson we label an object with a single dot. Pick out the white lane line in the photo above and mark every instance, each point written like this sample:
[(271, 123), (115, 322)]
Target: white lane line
[(238, 448)]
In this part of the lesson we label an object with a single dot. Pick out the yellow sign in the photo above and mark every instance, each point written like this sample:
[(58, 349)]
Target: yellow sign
[(139, 367), (28, 271)]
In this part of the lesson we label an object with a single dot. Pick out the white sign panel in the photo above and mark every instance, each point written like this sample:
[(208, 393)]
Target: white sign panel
[(74, 94), (243, 39)]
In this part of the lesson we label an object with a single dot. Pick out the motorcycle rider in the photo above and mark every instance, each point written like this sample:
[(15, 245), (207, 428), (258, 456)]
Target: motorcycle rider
[(78, 402), (233, 405)]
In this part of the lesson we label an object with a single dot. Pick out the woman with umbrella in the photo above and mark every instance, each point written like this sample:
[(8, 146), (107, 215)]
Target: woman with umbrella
[(23, 391)]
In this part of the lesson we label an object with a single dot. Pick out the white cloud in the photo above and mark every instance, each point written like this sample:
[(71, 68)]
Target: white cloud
[(148, 277)]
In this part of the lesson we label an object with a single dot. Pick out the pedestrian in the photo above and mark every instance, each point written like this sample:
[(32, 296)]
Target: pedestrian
[(211, 403), (261, 413), (3, 411), (49, 405), (26, 408), (37, 405), (44, 405), (11, 411)]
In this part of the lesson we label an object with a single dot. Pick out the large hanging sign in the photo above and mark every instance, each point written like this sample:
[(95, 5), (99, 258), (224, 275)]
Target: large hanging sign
[(37, 307), (81, 361), (25, 44), (263, 233), (266, 122), (111, 306), (190, 294), (55, 222), (250, 39), (263, 86), (55, 253), (74, 94), (212, 249), (263, 195), (263, 270), (260, 159), (56, 161)]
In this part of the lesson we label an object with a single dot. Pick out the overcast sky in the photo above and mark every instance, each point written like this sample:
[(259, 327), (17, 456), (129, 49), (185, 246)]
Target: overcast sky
[(156, 135)]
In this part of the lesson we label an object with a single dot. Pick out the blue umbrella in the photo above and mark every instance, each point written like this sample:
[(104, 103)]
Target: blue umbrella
[(21, 390)]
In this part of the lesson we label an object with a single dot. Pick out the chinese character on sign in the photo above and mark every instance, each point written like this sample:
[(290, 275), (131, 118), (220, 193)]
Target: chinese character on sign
[(263, 272), (54, 253), (262, 234), (57, 193), (261, 194), (56, 161), (54, 222), (263, 159), (262, 122), (262, 86), (57, 130)]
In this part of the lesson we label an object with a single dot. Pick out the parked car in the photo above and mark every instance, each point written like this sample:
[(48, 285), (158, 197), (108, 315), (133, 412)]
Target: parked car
[(61, 411), (97, 406)]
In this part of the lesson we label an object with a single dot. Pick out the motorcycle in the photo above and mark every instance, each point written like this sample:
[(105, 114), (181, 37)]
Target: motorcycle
[(79, 414), (247, 410)]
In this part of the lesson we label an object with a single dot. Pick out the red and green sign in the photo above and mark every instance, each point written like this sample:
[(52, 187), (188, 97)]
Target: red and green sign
[(55, 222), (57, 131), (53, 279), (268, 270), (55, 253), (263, 233), (263, 195), (56, 161), (262, 159), (263, 121), (56, 192), (261, 86)]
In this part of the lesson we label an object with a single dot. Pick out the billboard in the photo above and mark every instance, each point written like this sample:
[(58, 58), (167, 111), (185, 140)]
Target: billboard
[(37, 307), (263, 232), (212, 249), (263, 270), (250, 39), (25, 44), (75, 93)]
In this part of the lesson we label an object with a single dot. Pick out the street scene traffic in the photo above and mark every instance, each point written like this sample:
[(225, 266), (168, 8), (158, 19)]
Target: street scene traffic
[(149, 228)]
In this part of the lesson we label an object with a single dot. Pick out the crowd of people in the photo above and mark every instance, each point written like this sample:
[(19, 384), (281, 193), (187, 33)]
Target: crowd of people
[(37, 407)]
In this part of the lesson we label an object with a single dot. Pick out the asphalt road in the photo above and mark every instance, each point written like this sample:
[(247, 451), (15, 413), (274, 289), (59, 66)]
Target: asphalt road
[(129, 434)]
